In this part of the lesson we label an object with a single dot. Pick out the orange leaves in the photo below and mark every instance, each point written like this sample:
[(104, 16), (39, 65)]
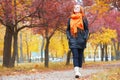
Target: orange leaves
[(118, 19), (100, 6)]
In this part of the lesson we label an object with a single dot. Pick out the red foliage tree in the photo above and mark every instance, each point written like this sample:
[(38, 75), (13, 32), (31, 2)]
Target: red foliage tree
[(88, 2), (109, 19), (53, 15), (13, 13), (112, 20)]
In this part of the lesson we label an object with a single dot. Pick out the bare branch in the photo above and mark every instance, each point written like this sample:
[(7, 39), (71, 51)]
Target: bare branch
[(30, 26), (61, 30), (94, 18), (29, 14), (26, 17), (56, 27), (53, 32)]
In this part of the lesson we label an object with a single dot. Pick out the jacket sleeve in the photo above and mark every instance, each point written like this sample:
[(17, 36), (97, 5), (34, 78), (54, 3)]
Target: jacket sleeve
[(68, 30), (85, 22)]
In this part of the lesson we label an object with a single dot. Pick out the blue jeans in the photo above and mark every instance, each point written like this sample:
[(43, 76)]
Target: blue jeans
[(77, 56)]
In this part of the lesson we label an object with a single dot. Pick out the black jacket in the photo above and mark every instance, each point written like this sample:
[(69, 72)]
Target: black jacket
[(82, 36)]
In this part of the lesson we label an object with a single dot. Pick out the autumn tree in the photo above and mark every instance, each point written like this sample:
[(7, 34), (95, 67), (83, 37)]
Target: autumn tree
[(12, 14), (103, 38), (111, 19), (114, 23), (103, 13), (53, 15)]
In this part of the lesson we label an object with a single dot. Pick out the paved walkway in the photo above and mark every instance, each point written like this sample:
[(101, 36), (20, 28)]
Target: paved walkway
[(55, 75), (58, 75)]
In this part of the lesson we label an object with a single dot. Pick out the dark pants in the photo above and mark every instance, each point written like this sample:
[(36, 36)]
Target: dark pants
[(77, 56)]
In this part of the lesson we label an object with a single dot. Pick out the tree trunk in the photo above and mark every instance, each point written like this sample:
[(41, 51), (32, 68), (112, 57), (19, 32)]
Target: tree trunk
[(95, 52), (118, 46), (118, 52), (47, 53), (106, 54), (17, 58), (48, 37), (68, 57), (28, 56), (43, 42), (15, 49), (112, 49), (115, 48), (102, 52), (7, 48), (21, 48)]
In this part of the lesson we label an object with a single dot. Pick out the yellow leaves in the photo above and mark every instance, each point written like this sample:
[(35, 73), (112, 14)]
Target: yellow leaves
[(58, 44), (2, 32), (1, 48), (104, 36), (34, 43), (21, 2), (108, 34), (30, 41)]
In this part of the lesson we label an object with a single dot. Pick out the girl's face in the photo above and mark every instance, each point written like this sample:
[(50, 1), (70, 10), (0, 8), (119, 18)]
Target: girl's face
[(77, 8)]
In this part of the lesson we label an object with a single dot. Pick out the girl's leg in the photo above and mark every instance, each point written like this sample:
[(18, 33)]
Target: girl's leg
[(76, 62), (75, 57), (80, 57)]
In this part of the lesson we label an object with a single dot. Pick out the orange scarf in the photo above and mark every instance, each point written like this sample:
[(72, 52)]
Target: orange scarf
[(76, 22)]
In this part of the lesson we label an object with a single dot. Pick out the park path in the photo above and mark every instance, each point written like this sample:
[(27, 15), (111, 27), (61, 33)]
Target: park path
[(58, 75), (54, 75)]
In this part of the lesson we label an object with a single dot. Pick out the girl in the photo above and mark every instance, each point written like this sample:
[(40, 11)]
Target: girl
[(77, 34)]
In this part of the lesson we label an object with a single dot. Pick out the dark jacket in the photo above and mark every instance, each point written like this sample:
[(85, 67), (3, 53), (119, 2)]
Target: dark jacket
[(82, 36)]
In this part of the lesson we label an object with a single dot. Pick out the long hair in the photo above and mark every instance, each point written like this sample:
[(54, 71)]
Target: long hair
[(81, 9)]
